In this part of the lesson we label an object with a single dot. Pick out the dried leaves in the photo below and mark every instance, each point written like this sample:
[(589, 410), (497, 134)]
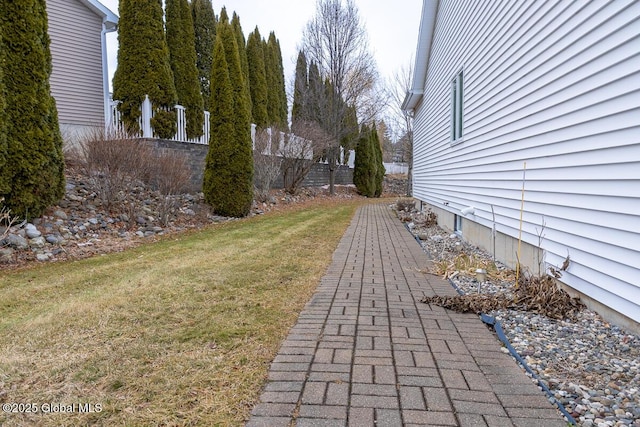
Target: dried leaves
[(538, 294)]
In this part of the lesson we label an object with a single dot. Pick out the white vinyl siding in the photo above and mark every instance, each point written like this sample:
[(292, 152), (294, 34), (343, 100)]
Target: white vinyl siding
[(555, 84), (76, 49)]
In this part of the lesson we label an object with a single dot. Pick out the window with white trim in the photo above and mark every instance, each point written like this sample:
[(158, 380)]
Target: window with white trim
[(457, 98)]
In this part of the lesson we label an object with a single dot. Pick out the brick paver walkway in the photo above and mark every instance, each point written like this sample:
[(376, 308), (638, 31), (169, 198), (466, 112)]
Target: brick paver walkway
[(366, 351)]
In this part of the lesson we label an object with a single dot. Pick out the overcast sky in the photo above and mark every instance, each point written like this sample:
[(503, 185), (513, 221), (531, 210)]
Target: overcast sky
[(392, 27)]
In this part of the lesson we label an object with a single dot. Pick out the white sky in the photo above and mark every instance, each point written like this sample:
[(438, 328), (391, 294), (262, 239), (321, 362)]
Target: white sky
[(392, 28)]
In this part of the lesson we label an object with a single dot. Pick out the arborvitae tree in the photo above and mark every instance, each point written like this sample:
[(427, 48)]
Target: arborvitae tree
[(276, 98), (4, 178), (378, 166), (281, 94), (257, 79), (182, 57), (218, 173), (300, 90), (224, 18), (242, 52), (34, 165), (315, 95), (363, 175), (143, 67), (271, 80), (232, 187), (204, 24), (350, 138)]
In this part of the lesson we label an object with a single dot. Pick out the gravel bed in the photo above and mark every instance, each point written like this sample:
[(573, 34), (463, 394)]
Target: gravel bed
[(591, 366)]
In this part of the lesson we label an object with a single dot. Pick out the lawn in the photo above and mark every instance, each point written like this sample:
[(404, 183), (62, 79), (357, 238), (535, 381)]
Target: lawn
[(178, 332)]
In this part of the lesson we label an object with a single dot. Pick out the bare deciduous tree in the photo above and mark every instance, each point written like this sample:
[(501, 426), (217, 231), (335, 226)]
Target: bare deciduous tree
[(403, 120), (300, 151), (266, 165), (336, 40)]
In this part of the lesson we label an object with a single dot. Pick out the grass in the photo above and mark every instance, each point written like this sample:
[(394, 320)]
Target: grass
[(179, 332)]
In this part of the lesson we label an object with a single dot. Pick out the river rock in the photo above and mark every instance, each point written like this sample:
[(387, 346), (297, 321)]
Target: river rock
[(42, 257), (31, 231), (6, 254), (37, 242), (16, 241), (54, 240), (60, 214)]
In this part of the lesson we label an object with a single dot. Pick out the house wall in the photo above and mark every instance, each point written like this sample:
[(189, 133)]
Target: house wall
[(76, 78), (555, 84)]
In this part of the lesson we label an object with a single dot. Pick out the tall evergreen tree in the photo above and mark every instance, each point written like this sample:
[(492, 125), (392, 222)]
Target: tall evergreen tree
[(363, 175), (4, 178), (315, 98), (378, 167), (204, 24), (34, 165), (300, 90), (143, 67), (218, 174), (257, 79), (350, 136), (242, 52), (277, 97), (232, 188), (182, 57)]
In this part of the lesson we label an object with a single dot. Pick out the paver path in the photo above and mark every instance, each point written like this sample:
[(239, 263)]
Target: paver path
[(365, 351)]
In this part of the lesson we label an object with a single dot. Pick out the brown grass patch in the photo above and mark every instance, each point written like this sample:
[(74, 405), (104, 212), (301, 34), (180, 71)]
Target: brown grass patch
[(179, 332)]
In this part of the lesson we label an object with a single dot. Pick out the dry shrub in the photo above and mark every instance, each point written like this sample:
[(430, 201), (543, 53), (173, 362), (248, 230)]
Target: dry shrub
[(428, 219), (300, 150), (7, 220), (113, 162), (467, 265), (266, 166), (405, 205), (170, 175)]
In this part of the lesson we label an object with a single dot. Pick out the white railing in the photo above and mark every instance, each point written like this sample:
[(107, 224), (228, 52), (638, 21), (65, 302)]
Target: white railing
[(396, 168), (350, 161), (146, 130), (299, 145)]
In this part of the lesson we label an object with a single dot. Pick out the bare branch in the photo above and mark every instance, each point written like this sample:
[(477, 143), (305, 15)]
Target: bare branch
[(300, 151)]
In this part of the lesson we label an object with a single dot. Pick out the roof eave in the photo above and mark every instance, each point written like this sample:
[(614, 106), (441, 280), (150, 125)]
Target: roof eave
[(109, 19), (423, 52)]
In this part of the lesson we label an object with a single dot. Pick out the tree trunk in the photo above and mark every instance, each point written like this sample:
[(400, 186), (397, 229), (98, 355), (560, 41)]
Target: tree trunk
[(332, 176)]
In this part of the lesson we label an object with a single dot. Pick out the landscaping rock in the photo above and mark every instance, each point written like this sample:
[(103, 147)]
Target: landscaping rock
[(60, 214), (54, 240), (591, 366), (42, 257), (6, 254), (16, 241), (37, 242), (31, 231)]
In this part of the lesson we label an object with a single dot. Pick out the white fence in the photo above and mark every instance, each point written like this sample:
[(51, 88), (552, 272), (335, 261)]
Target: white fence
[(146, 130), (396, 168)]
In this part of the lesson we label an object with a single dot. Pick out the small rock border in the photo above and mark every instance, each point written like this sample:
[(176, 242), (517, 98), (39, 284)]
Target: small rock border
[(591, 366)]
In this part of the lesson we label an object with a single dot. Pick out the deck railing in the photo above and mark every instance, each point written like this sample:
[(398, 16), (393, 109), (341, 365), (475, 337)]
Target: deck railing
[(146, 130)]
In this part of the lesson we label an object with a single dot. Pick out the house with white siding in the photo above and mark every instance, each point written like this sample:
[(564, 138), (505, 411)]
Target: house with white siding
[(527, 122), (80, 79)]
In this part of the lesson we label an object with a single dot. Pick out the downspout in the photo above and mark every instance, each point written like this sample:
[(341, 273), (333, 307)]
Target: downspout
[(105, 71)]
